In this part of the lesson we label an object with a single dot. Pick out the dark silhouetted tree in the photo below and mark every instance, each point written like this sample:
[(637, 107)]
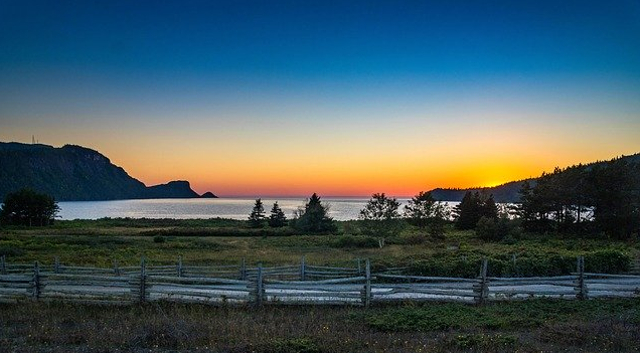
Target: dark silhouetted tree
[(614, 191), (609, 191), (313, 217), (29, 208), (473, 207), (489, 208), (256, 218), (420, 209), (381, 217), (441, 215), (424, 211), (277, 218), (468, 211)]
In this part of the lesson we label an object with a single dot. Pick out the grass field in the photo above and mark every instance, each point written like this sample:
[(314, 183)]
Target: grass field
[(532, 326), (219, 241)]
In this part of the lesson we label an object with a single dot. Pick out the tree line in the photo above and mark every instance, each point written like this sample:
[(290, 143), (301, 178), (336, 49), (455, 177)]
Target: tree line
[(381, 216), (597, 199)]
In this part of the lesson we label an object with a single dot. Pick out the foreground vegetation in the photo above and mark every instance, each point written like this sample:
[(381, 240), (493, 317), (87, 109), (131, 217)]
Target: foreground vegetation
[(221, 241), (532, 326), (529, 326)]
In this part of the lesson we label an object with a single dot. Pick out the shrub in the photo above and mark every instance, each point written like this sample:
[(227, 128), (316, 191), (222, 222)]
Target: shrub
[(607, 261), (496, 229), (354, 241), (415, 239), (448, 267), (526, 265), (158, 239), (9, 251), (220, 232)]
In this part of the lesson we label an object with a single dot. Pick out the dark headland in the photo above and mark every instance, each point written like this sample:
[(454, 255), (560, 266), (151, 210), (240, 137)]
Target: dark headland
[(75, 173), (510, 192)]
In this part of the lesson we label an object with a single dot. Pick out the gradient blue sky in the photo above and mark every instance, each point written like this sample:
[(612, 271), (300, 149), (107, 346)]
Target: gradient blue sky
[(344, 98)]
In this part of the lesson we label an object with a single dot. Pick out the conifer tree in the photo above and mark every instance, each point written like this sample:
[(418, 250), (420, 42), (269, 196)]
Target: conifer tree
[(489, 208), (277, 218), (313, 217), (473, 207), (256, 218), (468, 211)]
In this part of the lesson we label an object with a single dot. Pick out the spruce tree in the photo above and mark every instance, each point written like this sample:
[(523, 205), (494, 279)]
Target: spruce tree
[(256, 218), (277, 218), (489, 208), (313, 217), (468, 211)]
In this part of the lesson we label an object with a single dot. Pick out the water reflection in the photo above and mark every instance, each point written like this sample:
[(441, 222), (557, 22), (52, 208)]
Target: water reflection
[(340, 208)]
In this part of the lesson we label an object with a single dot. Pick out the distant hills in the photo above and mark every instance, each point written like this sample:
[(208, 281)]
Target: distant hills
[(508, 192), (75, 173), (502, 193)]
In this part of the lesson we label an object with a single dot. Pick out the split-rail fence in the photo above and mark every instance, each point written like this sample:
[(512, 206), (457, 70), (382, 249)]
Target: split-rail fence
[(301, 284)]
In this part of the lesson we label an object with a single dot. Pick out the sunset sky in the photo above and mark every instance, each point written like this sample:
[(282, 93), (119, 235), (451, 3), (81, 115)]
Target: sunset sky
[(343, 98)]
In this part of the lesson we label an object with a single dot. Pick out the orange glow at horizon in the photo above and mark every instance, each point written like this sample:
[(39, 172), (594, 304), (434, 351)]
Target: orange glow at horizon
[(403, 178), (290, 99), (355, 158)]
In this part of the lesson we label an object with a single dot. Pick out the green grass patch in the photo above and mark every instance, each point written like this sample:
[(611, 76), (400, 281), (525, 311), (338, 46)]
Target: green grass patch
[(502, 315)]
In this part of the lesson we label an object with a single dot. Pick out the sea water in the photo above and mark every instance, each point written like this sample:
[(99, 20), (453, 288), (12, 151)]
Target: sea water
[(234, 208)]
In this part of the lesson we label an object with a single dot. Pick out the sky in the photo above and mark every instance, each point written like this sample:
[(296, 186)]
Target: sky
[(343, 98)]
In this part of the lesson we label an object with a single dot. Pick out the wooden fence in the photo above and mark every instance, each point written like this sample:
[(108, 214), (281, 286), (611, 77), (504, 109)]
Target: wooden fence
[(290, 285)]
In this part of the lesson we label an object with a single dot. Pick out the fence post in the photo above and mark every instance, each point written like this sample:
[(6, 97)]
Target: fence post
[(143, 279), (116, 269), (303, 274), (36, 280), (56, 265), (259, 286), (3, 265), (581, 287), (481, 289), (515, 265), (367, 284), (243, 270), (359, 267), (179, 266)]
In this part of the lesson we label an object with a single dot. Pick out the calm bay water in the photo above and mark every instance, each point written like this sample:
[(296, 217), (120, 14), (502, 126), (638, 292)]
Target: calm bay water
[(235, 208)]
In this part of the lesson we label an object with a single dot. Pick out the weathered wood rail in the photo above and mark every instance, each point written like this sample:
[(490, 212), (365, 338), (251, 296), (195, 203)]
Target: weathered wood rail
[(289, 285)]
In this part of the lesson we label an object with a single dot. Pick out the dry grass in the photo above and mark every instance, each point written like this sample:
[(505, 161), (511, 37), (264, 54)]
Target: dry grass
[(596, 326)]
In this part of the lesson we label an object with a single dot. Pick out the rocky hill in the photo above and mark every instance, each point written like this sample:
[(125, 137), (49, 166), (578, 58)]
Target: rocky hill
[(75, 173)]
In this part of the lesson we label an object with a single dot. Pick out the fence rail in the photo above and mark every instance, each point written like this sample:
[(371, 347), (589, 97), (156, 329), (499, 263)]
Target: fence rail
[(289, 285)]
